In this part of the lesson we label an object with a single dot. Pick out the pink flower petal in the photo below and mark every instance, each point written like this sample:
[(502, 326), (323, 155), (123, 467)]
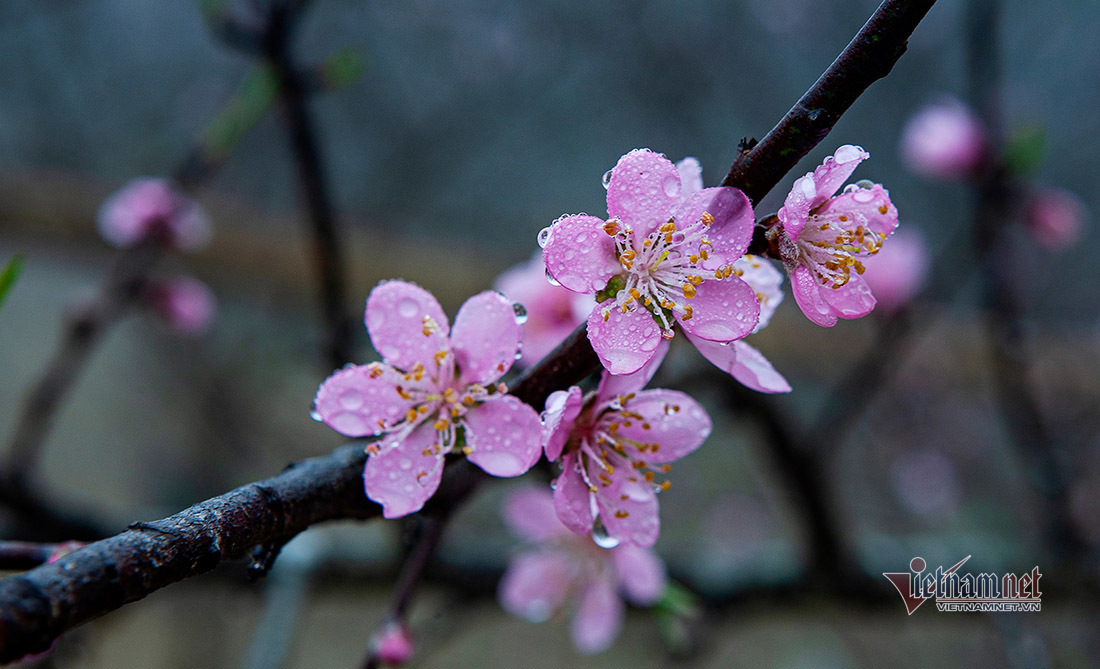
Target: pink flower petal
[(579, 254), (598, 619), (624, 342), (897, 272), (553, 312), (766, 281), (835, 170), (642, 575), (611, 385), (562, 409), (808, 296), (722, 310), (353, 400), (402, 479), (628, 506), (485, 338), (869, 207), (731, 231), (796, 208), (852, 300), (643, 189), (535, 585), (571, 497), (691, 177), (530, 513), (753, 370), (671, 419), (505, 434), (395, 318)]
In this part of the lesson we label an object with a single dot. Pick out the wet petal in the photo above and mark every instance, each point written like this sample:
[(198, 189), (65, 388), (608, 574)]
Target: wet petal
[(485, 338), (642, 575), (691, 177), (402, 479), (530, 513), (807, 293), (796, 208), (611, 385), (731, 231), (562, 409), (835, 170), (571, 497), (870, 207), (398, 316), (627, 503), (505, 435), (852, 300), (643, 189), (355, 401), (624, 342), (672, 420), (766, 281), (535, 585), (579, 254), (598, 619), (722, 310)]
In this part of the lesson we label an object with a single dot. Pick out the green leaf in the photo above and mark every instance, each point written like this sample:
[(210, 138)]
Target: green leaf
[(673, 615), (253, 99), (1024, 150), (612, 289), (9, 275)]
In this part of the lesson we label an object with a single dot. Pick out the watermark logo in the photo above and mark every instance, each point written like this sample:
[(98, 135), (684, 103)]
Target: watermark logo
[(966, 592)]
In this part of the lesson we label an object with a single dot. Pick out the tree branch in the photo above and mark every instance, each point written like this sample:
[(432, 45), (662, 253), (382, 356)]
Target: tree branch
[(35, 608)]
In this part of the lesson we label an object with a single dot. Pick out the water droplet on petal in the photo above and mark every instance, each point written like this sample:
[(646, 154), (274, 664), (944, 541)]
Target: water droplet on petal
[(848, 153), (348, 423), (864, 183), (601, 536), (351, 399), (544, 236), (551, 280), (863, 196), (607, 179), (408, 307), (315, 415), (671, 184), (390, 352), (520, 311), (406, 463)]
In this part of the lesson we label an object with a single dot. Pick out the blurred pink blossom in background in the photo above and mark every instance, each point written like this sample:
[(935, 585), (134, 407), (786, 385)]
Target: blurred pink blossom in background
[(1055, 217), (897, 273), (185, 304), (147, 207), (945, 140), (553, 312)]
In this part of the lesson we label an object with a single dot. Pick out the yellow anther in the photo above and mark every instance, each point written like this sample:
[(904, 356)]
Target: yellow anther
[(697, 279), (621, 514), (440, 425), (693, 259), (687, 313), (410, 415), (467, 450), (707, 218), (634, 294), (372, 449), (422, 409), (439, 357), (375, 371), (688, 290), (381, 423), (649, 476), (403, 393), (668, 304), (882, 209), (668, 227), (703, 254), (842, 218), (611, 227), (606, 316), (468, 401), (665, 485)]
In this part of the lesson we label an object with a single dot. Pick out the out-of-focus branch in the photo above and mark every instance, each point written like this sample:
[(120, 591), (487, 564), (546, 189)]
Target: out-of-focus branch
[(35, 608)]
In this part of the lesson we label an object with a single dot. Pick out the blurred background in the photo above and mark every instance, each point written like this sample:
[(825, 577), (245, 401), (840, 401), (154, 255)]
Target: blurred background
[(450, 133)]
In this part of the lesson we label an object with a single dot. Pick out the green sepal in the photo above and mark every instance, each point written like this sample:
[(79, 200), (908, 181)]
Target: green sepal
[(9, 275)]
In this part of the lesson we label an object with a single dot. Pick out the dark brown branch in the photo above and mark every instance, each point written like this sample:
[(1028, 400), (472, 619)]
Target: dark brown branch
[(21, 555), (35, 608), (327, 256), (868, 57)]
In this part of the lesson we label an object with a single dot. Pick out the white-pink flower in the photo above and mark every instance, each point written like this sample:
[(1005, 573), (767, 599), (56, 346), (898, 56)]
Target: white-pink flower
[(561, 568), (553, 312), (944, 140), (185, 304), (434, 393), (660, 259), (152, 208), (824, 237), (612, 445)]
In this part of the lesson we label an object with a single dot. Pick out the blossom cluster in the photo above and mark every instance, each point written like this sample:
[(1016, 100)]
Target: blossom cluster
[(671, 256)]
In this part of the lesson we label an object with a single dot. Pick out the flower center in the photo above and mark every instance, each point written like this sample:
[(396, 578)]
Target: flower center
[(662, 271), (830, 247)]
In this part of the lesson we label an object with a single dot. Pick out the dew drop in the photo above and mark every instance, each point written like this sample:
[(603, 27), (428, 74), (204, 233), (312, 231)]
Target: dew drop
[(607, 179), (351, 399), (671, 184), (348, 423), (864, 183), (848, 153), (406, 463), (408, 307), (544, 236), (315, 414), (520, 311), (863, 196), (390, 352), (551, 280), (601, 536)]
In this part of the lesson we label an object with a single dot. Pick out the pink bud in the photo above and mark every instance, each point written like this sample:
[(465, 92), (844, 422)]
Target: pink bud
[(184, 303), (1055, 217), (897, 272), (943, 140), (392, 644), (148, 207)]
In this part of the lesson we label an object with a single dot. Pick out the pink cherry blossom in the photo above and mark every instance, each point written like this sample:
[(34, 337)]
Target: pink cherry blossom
[(185, 304), (612, 445), (434, 393), (552, 311), (739, 359), (151, 207), (658, 260), (824, 237), (897, 273), (562, 568), (392, 644), (944, 140), (1055, 218)]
